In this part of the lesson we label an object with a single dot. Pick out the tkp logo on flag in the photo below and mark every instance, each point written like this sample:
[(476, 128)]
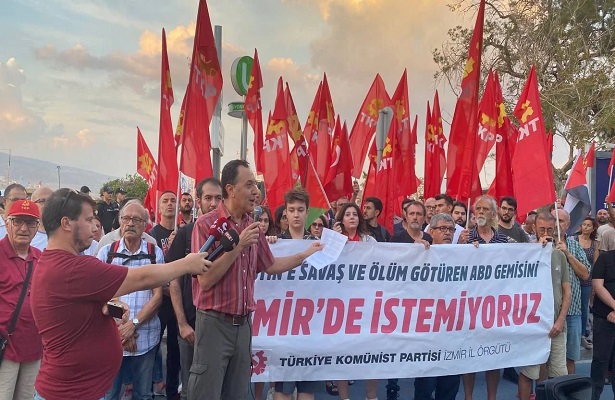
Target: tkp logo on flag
[(259, 362)]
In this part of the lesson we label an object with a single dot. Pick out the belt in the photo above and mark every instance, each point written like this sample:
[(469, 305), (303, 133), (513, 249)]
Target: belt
[(235, 320)]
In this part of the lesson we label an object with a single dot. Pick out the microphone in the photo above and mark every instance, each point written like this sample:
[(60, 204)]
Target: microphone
[(228, 241), (258, 211), (216, 230)]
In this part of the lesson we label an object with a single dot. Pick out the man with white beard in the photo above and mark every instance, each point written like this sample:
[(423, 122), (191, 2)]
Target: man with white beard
[(485, 210)]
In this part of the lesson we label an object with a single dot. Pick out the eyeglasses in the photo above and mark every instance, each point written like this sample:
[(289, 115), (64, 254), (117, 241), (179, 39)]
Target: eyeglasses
[(507, 209), (135, 220), (445, 229), (14, 199), (70, 191), (430, 207), (18, 222), (284, 218), (548, 231), (40, 201), (317, 225)]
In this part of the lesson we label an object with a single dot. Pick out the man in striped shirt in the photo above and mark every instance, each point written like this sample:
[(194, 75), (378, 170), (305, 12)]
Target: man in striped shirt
[(224, 297)]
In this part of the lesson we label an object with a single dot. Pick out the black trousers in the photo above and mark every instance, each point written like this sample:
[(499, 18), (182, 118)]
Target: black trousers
[(168, 321), (604, 340)]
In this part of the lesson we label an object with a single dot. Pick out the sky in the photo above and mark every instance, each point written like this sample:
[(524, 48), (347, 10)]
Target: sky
[(78, 76)]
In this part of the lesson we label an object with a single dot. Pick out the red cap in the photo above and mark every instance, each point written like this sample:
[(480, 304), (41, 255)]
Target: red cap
[(24, 208)]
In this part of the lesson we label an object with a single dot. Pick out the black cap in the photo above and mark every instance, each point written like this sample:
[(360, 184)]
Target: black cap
[(107, 189), (120, 190), (85, 189)]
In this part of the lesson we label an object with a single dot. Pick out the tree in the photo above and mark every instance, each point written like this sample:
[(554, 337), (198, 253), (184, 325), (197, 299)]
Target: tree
[(134, 185), (571, 42)]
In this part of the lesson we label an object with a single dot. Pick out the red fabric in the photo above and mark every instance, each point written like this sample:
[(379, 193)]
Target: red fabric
[(364, 126), (179, 130), (234, 292), (168, 174), (405, 174), (147, 168), (488, 121), (590, 157), (531, 167), (435, 158), (299, 153), (577, 175), (25, 344), (254, 111), (275, 153), (502, 184), (611, 163), (318, 198), (319, 130), (339, 178), (82, 348), (204, 86), (461, 168), (550, 144)]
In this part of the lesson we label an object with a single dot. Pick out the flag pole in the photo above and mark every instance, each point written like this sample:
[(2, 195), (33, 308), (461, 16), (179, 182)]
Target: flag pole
[(559, 233), (468, 213)]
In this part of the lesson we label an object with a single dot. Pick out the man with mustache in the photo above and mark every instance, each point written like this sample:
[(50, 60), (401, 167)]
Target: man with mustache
[(485, 210)]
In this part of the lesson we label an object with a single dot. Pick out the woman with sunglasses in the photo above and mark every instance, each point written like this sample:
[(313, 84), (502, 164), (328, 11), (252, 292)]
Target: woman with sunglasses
[(317, 226), (281, 220)]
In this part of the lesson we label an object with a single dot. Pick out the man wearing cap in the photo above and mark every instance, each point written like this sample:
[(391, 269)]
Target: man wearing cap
[(107, 209), (12, 193), (85, 190), (120, 195), (24, 350)]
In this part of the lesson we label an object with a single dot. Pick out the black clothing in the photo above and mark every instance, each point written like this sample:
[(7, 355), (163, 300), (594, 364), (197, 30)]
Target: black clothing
[(379, 233), (107, 214), (404, 237), (181, 247)]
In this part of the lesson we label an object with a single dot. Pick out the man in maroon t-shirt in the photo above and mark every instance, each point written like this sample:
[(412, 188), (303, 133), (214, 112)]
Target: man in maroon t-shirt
[(22, 356), (82, 349)]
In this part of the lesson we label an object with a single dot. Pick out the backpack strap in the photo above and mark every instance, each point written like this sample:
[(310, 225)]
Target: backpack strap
[(113, 252), (151, 252)]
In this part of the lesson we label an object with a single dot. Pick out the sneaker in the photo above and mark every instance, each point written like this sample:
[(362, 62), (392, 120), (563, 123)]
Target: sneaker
[(127, 394), (587, 343), (392, 394)]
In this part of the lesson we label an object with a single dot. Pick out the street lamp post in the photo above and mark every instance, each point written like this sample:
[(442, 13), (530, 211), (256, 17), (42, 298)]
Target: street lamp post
[(8, 172), (59, 175)]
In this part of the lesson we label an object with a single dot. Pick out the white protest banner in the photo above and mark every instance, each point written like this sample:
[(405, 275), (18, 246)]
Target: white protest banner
[(394, 310)]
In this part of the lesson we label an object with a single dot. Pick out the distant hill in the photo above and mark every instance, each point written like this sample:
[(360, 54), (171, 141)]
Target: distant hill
[(31, 172)]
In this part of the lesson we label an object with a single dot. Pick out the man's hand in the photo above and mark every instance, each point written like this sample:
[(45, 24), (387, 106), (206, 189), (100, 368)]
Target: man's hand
[(127, 330), (611, 317), (249, 236), (557, 328), (187, 333), (130, 344), (171, 237), (425, 243), (314, 247), (561, 245), (125, 315), (197, 263), (355, 188), (337, 227), (464, 236), (271, 239), (475, 243)]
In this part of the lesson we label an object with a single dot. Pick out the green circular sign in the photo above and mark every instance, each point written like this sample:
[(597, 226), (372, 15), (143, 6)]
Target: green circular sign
[(240, 74)]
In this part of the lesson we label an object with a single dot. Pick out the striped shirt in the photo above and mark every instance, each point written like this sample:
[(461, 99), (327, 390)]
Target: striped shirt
[(575, 249), (497, 237), (149, 331), (234, 292)]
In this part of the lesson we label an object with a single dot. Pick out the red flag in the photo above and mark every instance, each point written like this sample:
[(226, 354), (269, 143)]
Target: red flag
[(405, 174), (550, 144), (531, 168), (254, 112), (461, 169), (299, 153), (506, 134), (364, 126), (203, 90), (167, 155), (276, 159), (339, 177), (319, 131), (487, 122), (179, 130), (435, 158), (611, 163), (147, 168), (590, 157)]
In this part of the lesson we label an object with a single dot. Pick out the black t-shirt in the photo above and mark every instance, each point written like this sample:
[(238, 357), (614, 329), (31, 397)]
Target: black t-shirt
[(604, 269), (404, 237), (107, 214), (161, 234), (379, 233), (181, 247)]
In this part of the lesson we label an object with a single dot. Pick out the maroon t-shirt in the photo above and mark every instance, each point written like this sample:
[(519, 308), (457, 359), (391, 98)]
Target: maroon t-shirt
[(82, 349)]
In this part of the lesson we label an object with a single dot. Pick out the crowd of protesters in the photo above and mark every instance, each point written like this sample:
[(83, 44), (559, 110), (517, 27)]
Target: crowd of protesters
[(64, 256)]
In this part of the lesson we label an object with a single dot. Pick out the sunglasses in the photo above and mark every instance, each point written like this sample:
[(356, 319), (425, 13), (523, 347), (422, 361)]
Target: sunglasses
[(317, 225), (70, 191)]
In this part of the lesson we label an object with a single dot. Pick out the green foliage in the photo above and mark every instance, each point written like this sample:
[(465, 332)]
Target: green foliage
[(571, 42), (134, 185)]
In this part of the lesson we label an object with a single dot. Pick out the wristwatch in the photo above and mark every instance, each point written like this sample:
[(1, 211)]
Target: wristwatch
[(135, 321)]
